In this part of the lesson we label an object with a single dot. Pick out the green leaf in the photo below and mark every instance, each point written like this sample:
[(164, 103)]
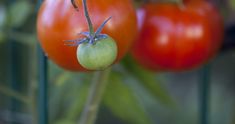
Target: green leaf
[(232, 3), (68, 93), (2, 16), (123, 103), (65, 122), (19, 12), (148, 81), (74, 111), (63, 78), (2, 36)]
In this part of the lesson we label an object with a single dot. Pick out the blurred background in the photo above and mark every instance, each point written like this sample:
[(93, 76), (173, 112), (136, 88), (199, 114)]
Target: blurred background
[(134, 96)]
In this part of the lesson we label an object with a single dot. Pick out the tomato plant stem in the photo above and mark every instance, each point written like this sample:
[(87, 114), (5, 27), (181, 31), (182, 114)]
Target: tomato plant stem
[(91, 28), (14, 94), (180, 3), (96, 92)]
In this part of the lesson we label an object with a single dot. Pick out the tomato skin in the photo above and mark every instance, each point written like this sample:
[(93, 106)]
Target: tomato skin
[(173, 38), (58, 21), (215, 21)]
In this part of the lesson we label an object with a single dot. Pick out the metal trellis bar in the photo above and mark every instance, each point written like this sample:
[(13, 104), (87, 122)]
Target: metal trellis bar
[(43, 93), (14, 104), (204, 91), (43, 81)]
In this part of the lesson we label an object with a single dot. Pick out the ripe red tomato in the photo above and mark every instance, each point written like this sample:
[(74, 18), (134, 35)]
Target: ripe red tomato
[(58, 21), (177, 38), (210, 12)]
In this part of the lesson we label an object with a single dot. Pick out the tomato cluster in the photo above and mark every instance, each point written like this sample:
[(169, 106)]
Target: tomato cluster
[(177, 37), (58, 21), (172, 37)]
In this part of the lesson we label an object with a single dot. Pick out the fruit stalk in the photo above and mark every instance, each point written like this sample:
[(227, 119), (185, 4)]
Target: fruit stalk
[(90, 25), (96, 92), (98, 85)]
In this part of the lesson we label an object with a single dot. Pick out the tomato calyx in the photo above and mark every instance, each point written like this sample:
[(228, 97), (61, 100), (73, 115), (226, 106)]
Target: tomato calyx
[(74, 4), (89, 37)]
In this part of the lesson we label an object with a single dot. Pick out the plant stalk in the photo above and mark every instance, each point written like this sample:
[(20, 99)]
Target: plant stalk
[(14, 94), (96, 92), (180, 3), (90, 25)]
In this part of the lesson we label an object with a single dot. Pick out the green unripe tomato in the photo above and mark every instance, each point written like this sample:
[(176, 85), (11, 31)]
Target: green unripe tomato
[(97, 56)]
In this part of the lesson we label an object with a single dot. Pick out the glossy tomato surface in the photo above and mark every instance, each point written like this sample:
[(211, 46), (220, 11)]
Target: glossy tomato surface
[(174, 38), (58, 21), (210, 12)]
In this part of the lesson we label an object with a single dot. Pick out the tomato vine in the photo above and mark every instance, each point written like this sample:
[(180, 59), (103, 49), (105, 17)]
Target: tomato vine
[(100, 77)]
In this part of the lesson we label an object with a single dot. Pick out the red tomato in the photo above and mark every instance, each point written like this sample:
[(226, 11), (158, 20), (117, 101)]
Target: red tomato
[(58, 21), (215, 20), (176, 38)]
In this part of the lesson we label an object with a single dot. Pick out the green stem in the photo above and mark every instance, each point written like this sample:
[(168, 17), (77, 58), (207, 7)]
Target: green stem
[(180, 3), (32, 97), (96, 92), (14, 94), (91, 28)]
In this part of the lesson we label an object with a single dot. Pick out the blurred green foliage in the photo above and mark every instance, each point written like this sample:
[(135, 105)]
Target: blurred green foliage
[(134, 94), (18, 13), (68, 90)]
